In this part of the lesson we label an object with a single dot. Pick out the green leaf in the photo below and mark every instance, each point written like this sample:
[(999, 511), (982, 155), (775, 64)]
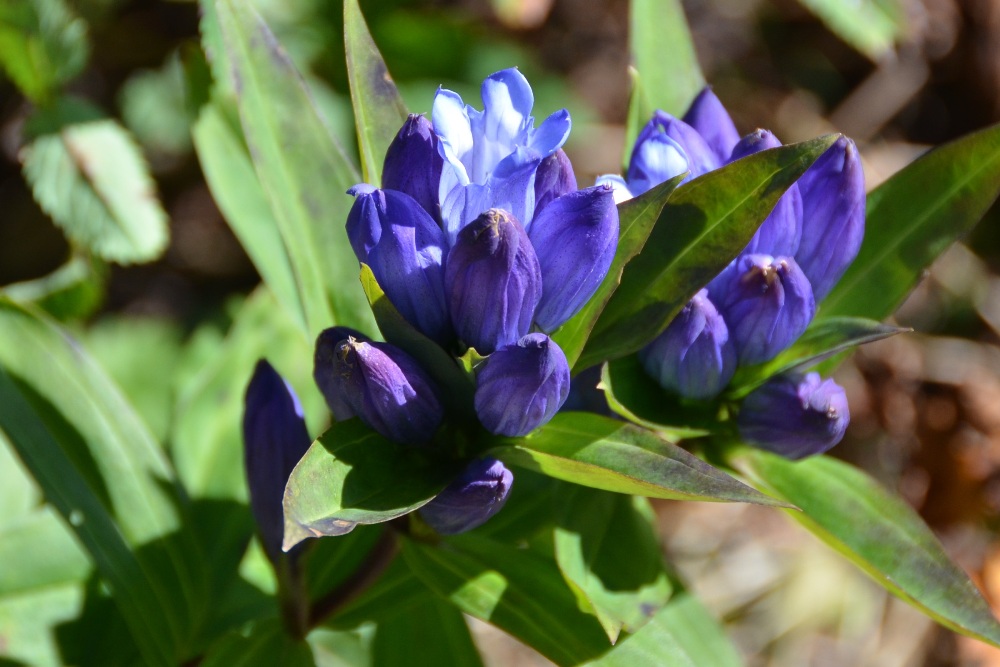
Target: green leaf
[(912, 218), (457, 387), (664, 55), (42, 45), (682, 634), (631, 393), (636, 218), (519, 591), (353, 475), (73, 291), (609, 553), (433, 625), (225, 161), (263, 643), (870, 26), (879, 532), (822, 340), (379, 111), (90, 177), (37, 552), (304, 171), (395, 592), (703, 226), (154, 108), (29, 625), (607, 454)]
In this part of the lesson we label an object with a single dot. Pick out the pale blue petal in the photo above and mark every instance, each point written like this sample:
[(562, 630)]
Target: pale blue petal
[(551, 134), (617, 183)]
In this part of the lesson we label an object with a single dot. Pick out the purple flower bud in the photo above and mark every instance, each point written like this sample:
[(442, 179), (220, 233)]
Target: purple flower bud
[(388, 390), (653, 164), (575, 239), (522, 386), (330, 382), (274, 438), (707, 115), (469, 502), (554, 178), (781, 231), (795, 416), (493, 281), (406, 256), (767, 303), (833, 215), (413, 164), (693, 357)]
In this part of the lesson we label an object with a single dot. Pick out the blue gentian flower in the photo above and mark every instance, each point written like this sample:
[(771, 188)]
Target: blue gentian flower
[(325, 361), (413, 164), (794, 415), (553, 179), (491, 156), (471, 500), (274, 439), (711, 120)]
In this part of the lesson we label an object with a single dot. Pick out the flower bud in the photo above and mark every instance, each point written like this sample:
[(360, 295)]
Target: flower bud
[(693, 357), (795, 416), (364, 225), (781, 231), (471, 500), (406, 257), (388, 390), (521, 386), (493, 282), (324, 362), (711, 120), (274, 439), (657, 159), (553, 178), (575, 239), (413, 164), (833, 215), (648, 162), (767, 303)]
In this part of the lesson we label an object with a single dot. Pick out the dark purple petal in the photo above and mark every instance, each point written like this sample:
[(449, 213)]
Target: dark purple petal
[(554, 178), (407, 259), (324, 364), (274, 439), (755, 142), (795, 416), (469, 502), (413, 164), (707, 115), (388, 390), (833, 215), (493, 282), (364, 222), (767, 303), (575, 239), (521, 386), (693, 357)]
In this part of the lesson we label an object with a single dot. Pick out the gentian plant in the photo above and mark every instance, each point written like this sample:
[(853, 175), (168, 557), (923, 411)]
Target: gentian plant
[(494, 371)]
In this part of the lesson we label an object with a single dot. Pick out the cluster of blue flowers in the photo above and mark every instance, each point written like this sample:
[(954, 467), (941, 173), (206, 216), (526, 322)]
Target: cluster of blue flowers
[(766, 298), (480, 239)]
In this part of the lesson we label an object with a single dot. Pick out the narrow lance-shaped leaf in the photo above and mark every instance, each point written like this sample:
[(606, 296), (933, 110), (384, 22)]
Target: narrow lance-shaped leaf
[(379, 111), (304, 171), (607, 454), (704, 225), (664, 55), (878, 531), (90, 177), (433, 624), (870, 26), (353, 475), (912, 218), (636, 218)]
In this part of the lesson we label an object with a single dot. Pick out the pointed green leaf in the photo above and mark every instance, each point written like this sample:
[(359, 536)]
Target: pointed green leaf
[(379, 111), (912, 218), (432, 624), (605, 453), (608, 551), (353, 475), (517, 590), (878, 531), (636, 218), (824, 339), (870, 26), (38, 551), (73, 291), (91, 178), (43, 44), (664, 54), (704, 225), (304, 171), (263, 643)]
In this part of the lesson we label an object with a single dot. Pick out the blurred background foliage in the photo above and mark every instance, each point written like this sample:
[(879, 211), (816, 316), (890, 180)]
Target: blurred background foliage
[(895, 75)]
